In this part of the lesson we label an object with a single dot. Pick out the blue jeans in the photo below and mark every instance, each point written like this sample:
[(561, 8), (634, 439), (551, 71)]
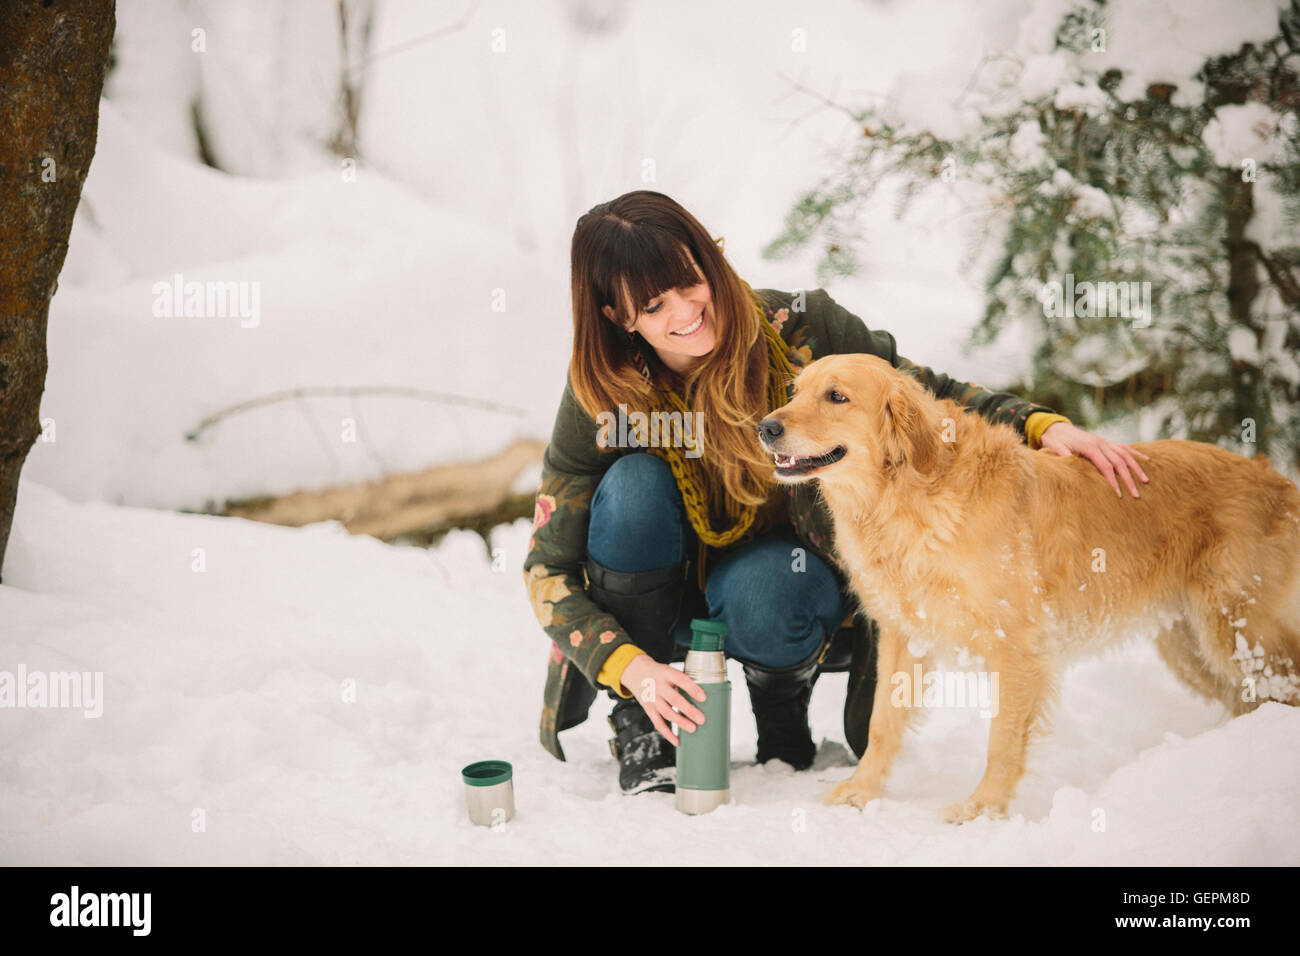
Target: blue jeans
[(777, 605)]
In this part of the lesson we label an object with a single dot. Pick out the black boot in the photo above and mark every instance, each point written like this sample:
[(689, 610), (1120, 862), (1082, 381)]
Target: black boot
[(646, 605), (646, 761), (779, 697)]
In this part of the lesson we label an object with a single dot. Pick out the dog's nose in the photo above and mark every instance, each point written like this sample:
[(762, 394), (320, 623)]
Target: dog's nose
[(770, 429)]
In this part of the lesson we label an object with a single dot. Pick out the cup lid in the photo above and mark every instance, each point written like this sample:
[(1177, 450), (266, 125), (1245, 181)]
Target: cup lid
[(487, 773), (707, 635)]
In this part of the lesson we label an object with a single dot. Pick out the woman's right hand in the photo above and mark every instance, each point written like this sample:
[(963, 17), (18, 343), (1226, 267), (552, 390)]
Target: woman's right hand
[(654, 687)]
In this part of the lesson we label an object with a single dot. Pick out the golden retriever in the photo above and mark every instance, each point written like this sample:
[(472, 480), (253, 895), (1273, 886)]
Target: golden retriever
[(960, 540)]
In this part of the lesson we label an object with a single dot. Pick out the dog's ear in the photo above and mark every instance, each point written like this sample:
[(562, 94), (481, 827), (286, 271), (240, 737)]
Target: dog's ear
[(911, 427)]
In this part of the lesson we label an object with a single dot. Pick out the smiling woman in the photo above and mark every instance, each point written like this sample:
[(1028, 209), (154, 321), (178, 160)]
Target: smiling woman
[(677, 341), (662, 323)]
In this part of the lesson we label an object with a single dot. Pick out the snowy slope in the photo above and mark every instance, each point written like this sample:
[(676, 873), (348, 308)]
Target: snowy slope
[(222, 691), (459, 203), (481, 147), (358, 284)]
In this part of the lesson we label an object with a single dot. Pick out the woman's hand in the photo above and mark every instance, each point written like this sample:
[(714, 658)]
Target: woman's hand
[(1109, 457), (654, 686)]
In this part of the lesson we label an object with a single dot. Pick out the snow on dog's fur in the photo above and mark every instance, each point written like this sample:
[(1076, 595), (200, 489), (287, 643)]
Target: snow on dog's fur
[(960, 539)]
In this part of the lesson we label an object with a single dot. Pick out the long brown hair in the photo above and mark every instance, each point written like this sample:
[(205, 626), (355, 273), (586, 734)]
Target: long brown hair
[(629, 250)]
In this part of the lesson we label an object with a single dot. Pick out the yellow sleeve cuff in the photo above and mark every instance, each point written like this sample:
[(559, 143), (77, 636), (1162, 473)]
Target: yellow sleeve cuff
[(611, 674), (1039, 422)]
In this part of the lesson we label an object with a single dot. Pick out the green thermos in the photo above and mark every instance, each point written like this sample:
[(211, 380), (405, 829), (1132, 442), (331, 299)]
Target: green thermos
[(704, 756)]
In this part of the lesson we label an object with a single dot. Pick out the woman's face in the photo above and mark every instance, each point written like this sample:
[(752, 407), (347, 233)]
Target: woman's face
[(679, 324)]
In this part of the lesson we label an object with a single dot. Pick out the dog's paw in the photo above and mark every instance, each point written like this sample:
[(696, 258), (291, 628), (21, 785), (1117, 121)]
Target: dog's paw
[(851, 791), (972, 807)]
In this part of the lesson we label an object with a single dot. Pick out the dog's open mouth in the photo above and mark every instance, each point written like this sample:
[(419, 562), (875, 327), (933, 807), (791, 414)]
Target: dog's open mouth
[(787, 465)]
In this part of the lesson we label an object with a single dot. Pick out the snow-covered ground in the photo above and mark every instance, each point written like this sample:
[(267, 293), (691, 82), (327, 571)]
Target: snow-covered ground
[(310, 696), (226, 691)]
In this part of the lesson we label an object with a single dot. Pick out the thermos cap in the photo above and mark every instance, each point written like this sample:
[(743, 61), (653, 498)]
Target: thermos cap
[(487, 773), (707, 635)]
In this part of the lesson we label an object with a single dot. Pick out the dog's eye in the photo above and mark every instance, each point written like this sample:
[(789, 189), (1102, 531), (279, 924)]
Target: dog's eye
[(834, 396)]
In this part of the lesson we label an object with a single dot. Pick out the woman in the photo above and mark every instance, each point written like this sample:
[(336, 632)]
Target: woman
[(662, 323)]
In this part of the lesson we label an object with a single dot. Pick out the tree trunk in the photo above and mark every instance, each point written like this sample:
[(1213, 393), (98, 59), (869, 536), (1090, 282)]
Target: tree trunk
[(356, 24), (1249, 397), (53, 57)]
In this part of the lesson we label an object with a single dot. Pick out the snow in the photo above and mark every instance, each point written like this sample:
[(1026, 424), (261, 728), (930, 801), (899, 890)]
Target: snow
[(433, 254), (1090, 202), (1043, 75), (1027, 145), (1167, 41), (1086, 97), (224, 691), (1242, 345), (1008, 48), (311, 695), (266, 75), (361, 284), (1249, 131), (1269, 225)]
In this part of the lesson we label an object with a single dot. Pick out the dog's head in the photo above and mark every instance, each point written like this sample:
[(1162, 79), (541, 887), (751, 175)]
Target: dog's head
[(854, 418)]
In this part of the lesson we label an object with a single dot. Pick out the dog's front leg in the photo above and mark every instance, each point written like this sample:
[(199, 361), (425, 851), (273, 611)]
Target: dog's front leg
[(1024, 681), (885, 731)]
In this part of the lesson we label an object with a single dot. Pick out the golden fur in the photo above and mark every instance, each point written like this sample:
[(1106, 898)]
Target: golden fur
[(960, 540)]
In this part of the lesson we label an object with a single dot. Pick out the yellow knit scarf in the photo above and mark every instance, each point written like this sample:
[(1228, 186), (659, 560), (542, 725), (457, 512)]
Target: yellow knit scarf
[(687, 471)]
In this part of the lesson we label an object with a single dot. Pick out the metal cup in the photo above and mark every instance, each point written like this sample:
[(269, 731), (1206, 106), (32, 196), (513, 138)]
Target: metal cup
[(489, 792)]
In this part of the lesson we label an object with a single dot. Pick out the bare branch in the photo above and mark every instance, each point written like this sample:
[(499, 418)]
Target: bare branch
[(295, 394)]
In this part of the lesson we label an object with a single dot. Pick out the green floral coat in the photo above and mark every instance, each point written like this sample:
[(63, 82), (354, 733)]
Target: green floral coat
[(583, 635)]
